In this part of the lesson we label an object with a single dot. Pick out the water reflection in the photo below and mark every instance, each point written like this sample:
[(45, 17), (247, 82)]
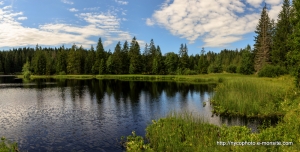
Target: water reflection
[(90, 115)]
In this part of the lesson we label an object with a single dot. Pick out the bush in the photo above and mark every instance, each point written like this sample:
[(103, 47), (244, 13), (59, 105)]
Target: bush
[(62, 73), (189, 72), (215, 69), (231, 69), (271, 71)]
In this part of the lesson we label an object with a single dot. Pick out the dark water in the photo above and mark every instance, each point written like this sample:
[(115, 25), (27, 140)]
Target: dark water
[(92, 115)]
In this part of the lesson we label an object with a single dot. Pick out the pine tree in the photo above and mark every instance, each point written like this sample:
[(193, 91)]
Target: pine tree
[(202, 63), (101, 67), (61, 63), (100, 54), (171, 62), (294, 42), (282, 31), (125, 58), (263, 41), (183, 57), (109, 65), (147, 60), (117, 59), (89, 61), (72, 61), (135, 57)]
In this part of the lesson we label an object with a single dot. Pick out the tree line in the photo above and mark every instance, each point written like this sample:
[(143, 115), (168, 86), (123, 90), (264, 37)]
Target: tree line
[(276, 48), (125, 59)]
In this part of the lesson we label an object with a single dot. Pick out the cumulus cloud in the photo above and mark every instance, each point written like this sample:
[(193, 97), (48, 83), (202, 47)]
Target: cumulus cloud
[(67, 2), (218, 23), (73, 10), (1, 2), (105, 25), (121, 2)]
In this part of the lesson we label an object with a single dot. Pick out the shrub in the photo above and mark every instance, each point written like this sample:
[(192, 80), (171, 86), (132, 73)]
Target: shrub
[(62, 73), (271, 71), (215, 69), (189, 72), (231, 69)]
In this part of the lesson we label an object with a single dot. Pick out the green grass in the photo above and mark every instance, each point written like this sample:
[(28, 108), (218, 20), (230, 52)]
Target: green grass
[(185, 132), (236, 95), (7, 146), (252, 96), (209, 78)]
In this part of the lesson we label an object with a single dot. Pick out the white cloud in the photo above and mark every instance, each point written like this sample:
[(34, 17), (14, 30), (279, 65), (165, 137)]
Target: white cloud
[(255, 3), (121, 2), (67, 2), (274, 11), (91, 8), (1, 2), (7, 7), (104, 25), (73, 10), (273, 2), (22, 18), (149, 22), (218, 23)]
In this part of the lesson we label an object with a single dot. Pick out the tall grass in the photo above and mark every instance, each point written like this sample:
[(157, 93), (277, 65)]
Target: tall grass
[(184, 132), (252, 97), (237, 95)]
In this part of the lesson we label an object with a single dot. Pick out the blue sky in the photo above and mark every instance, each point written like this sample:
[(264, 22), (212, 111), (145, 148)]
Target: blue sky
[(213, 24)]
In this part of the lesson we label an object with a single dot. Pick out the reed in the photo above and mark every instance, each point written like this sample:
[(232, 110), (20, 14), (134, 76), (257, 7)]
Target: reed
[(252, 97)]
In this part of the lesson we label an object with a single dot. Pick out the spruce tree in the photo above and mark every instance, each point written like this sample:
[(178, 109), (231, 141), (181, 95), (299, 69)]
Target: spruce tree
[(294, 42), (125, 58), (280, 40), (135, 57), (100, 54), (117, 59), (263, 41)]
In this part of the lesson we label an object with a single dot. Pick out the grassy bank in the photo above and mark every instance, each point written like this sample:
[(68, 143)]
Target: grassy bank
[(209, 78), (184, 132), (237, 95)]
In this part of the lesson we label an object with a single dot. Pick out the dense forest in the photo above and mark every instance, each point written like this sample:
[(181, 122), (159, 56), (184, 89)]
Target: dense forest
[(276, 51)]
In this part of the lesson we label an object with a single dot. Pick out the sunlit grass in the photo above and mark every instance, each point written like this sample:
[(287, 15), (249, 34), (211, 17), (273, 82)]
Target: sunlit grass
[(252, 97), (185, 132)]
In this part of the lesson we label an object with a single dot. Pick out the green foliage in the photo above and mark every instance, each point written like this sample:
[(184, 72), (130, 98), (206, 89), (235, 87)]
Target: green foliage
[(39, 63), (280, 39), (232, 69), (26, 70), (101, 67), (251, 97), (135, 143), (271, 71), (189, 72), (183, 57), (7, 146), (263, 40), (203, 64), (247, 65), (109, 65), (135, 57), (171, 62)]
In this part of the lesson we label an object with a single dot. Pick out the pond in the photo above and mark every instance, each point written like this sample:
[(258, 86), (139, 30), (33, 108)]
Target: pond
[(92, 115)]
